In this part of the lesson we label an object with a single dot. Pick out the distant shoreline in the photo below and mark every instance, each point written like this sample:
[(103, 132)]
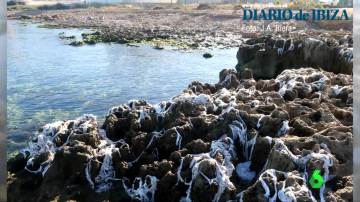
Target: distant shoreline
[(194, 26)]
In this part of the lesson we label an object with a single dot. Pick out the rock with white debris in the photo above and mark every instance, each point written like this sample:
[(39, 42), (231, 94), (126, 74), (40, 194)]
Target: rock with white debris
[(255, 140)]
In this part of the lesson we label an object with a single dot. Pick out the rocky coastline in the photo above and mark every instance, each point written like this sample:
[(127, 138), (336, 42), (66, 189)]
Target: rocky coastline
[(330, 51), (256, 135), (241, 139), (181, 27)]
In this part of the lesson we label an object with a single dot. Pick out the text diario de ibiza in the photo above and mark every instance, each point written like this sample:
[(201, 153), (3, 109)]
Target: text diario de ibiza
[(289, 14)]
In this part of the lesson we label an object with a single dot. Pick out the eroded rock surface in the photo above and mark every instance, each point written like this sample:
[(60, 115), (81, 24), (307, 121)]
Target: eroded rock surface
[(240, 139), (332, 52)]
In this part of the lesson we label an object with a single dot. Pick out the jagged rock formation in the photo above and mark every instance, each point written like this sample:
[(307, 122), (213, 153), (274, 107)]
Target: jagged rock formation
[(239, 139), (330, 52)]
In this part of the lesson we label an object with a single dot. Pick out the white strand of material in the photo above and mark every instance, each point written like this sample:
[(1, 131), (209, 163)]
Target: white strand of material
[(223, 172), (272, 174), (103, 180), (88, 176), (227, 80), (154, 135), (201, 99), (106, 173), (280, 51), (292, 46), (324, 155), (178, 139), (225, 146), (143, 189), (258, 125), (284, 129), (288, 79), (239, 131), (43, 142), (284, 194), (288, 194)]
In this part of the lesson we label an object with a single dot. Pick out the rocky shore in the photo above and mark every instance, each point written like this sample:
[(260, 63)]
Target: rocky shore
[(256, 135), (183, 27), (241, 139), (330, 51), (178, 26)]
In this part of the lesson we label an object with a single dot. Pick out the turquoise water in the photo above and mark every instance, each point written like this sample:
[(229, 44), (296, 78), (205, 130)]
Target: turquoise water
[(49, 80)]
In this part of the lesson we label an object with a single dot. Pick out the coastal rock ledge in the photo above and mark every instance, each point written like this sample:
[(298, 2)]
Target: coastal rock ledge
[(238, 140), (331, 51)]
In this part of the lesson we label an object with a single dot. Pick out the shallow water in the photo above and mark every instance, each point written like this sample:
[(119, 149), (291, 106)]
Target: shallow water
[(49, 80)]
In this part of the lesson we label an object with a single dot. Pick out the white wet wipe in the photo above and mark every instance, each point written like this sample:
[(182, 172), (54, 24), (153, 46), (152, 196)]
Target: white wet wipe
[(43, 142)]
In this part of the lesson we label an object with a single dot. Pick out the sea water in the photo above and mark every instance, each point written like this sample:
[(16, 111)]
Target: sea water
[(49, 80)]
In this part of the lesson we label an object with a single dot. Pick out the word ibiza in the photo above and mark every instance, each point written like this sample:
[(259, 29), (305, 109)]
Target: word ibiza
[(289, 14)]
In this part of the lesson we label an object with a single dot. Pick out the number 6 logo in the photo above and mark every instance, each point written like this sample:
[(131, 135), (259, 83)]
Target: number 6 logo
[(316, 180)]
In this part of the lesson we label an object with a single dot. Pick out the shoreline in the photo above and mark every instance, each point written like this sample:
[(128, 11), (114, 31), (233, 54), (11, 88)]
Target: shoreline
[(235, 138), (262, 128), (159, 26), (50, 112)]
